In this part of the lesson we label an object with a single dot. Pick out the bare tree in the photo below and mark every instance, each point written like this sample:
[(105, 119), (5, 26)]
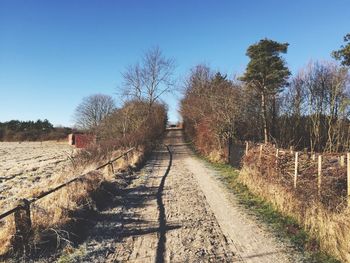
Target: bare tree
[(316, 110), (134, 123), (149, 79), (132, 86), (92, 110)]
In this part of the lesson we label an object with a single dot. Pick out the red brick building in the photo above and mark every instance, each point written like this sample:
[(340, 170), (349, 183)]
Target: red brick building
[(80, 140)]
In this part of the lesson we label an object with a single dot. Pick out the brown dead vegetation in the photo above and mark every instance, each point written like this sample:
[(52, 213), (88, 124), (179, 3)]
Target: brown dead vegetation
[(54, 218), (325, 215), (57, 218), (312, 113)]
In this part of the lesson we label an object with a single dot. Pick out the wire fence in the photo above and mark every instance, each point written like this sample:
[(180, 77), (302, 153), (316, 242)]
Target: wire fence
[(322, 177)]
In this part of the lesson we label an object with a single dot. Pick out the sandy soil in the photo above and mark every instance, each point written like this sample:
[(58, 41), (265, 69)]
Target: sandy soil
[(25, 164), (248, 238), (177, 210)]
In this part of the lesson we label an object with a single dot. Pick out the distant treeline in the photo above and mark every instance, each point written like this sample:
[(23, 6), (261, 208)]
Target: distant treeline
[(39, 130)]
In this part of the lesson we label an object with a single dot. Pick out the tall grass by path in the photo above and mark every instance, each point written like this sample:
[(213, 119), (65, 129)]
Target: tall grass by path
[(284, 227)]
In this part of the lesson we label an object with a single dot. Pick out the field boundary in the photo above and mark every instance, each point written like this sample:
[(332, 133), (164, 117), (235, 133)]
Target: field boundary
[(322, 171), (22, 210)]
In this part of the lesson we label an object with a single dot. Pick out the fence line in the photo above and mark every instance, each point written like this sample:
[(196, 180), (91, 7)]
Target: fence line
[(22, 210), (341, 161), (320, 161)]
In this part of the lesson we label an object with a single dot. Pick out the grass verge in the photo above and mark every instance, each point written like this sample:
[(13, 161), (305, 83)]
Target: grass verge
[(283, 227)]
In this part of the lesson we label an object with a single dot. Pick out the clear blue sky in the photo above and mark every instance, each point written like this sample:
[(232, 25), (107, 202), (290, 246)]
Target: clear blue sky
[(53, 53)]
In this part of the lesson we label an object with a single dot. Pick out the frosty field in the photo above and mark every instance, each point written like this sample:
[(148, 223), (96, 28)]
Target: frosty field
[(22, 165)]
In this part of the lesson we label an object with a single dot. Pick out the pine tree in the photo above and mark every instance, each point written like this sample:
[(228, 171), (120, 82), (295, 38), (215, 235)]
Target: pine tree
[(343, 54), (267, 73)]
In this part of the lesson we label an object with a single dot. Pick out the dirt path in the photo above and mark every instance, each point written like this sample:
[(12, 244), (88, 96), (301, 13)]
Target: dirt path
[(178, 211), (249, 239)]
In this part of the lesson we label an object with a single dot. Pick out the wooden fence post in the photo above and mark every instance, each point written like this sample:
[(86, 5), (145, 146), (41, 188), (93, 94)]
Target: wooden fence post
[(246, 147), (313, 157), (319, 175), (277, 152), (260, 154), (296, 169), (23, 225), (229, 159), (342, 161), (126, 157), (348, 176), (111, 167)]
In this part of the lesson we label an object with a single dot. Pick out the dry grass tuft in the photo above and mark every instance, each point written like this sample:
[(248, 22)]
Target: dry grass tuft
[(7, 231), (326, 218), (216, 156)]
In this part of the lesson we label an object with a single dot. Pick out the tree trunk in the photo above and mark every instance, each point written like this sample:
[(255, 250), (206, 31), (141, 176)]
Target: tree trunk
[(273, 118), (264, 117)]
